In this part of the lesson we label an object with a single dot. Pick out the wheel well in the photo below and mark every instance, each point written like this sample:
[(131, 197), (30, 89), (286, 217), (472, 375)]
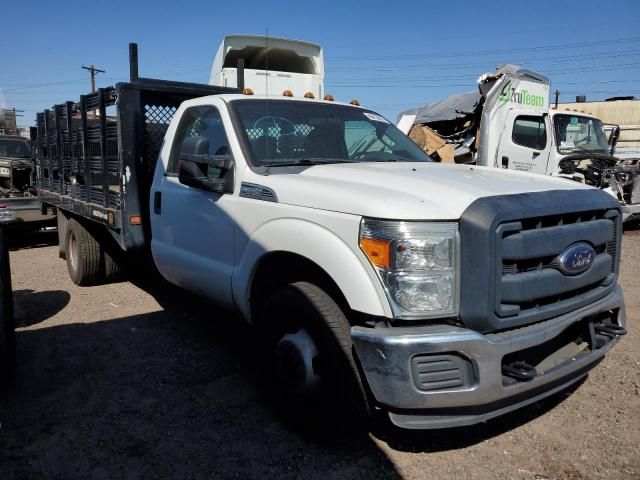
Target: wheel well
[(278, 269), (100, 233)]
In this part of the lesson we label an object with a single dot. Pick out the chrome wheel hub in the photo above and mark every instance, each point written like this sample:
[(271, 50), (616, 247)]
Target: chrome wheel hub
[(73, 251)]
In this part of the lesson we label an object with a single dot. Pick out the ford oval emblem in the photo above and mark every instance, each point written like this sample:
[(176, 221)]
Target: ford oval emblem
[(577, 258)]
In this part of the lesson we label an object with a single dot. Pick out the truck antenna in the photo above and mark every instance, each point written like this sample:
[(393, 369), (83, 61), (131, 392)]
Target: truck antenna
[(266, 91), (266, 61)]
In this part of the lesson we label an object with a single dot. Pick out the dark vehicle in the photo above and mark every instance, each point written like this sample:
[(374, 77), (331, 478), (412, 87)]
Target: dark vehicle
[(19, 204)]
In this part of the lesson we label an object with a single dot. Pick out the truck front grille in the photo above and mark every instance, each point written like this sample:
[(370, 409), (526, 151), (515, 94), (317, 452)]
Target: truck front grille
[(510, 269), (531, 284)]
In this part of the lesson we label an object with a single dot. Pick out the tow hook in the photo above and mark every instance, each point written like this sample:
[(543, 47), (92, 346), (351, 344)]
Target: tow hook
[(520, 371), (610, 330)]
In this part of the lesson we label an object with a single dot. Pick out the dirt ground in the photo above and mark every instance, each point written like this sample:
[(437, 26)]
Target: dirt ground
[(120, 381)]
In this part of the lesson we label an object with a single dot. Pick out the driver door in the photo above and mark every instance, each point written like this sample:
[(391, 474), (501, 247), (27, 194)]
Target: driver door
[(524, 144), (192, 229)]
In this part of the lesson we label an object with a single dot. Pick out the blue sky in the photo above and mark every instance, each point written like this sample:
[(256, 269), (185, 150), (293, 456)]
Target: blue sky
[(390, 56)]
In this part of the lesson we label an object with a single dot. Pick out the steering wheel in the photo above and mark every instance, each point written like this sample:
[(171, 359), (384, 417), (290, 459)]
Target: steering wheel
[(287, 127)]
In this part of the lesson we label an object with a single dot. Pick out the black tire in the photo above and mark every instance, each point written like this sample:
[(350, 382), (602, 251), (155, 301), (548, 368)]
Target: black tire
[(84, 255), (112, 270), (339, 403), (7, 325)]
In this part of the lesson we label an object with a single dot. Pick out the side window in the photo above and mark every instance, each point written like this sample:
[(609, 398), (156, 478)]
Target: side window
[(530, 132), (202, 122)]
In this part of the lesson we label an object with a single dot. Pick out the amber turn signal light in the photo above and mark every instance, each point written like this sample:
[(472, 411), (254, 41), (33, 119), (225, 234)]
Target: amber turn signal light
[(377, 251)]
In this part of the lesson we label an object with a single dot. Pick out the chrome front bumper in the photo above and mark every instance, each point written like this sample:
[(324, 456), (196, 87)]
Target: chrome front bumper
[(630, 212), (386, 357)]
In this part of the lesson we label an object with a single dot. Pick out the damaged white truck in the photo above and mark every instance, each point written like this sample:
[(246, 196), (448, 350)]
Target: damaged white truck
[(508, 124), (439, 295)]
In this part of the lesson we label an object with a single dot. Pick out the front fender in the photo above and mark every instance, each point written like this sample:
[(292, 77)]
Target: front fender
[(346, 265)]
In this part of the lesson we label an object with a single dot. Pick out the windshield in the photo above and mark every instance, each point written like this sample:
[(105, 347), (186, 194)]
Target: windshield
[(283, 132), (14, 148), (576, 134)]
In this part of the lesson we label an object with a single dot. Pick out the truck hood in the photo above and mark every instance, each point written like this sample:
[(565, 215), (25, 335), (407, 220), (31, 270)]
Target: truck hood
[(405, 190)]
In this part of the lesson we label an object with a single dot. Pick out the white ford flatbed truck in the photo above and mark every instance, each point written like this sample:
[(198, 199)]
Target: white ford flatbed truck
[(440, 295)]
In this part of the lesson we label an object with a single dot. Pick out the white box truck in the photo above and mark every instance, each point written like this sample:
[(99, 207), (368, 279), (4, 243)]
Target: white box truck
[(271, 65)]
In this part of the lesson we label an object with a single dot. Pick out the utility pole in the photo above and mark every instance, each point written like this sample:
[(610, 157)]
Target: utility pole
[(93, 70), (9, 121)]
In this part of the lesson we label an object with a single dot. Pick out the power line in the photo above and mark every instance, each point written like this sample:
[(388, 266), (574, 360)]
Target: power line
[(400, 70), (606, 55), (491, 52), (622, 66), (38, 85)]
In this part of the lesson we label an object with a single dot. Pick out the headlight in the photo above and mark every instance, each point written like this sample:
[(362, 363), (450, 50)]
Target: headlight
[(417, 263)]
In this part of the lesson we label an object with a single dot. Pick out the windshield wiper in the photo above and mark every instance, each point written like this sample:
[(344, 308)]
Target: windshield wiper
[(584, 150), (310, 161)]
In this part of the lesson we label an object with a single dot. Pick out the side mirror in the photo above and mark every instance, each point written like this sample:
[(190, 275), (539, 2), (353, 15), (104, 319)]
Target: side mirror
[(194, 172), (613, 137)]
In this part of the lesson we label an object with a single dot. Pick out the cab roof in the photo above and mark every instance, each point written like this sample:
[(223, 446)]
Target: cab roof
[(229, 97), (575, 113)]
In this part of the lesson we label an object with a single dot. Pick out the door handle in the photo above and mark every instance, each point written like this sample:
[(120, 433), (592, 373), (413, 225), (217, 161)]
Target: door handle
[(505, 162), (157, 203), (535, 154)]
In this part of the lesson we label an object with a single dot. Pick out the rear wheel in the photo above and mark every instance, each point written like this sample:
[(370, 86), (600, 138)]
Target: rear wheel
[(83, 255), (316, 382), (7, 326), (112, 268)]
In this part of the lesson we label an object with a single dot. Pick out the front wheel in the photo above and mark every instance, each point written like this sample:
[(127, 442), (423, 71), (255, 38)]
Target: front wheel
[(316, 380)]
